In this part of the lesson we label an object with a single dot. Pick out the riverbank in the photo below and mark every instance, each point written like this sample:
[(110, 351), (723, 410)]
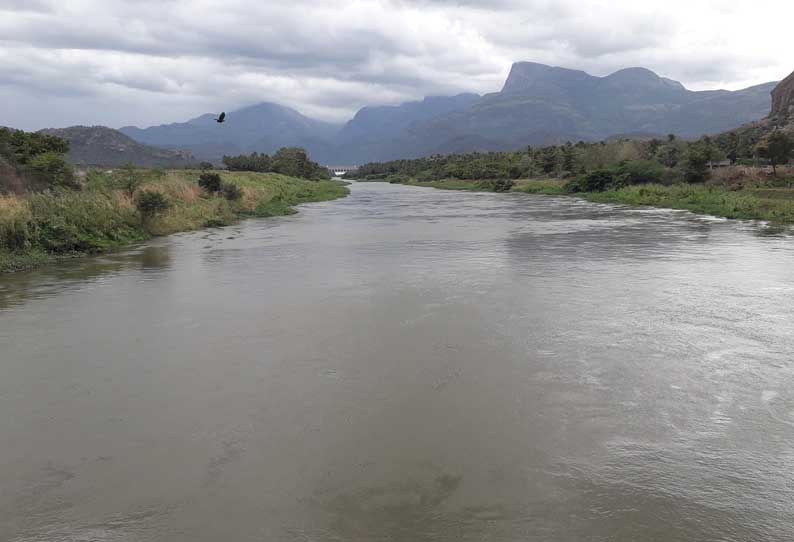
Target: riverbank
[(37, 228), (774, 204)]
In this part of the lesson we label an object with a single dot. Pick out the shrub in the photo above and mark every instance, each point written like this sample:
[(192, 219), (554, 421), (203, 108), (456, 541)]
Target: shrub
[(232, 192), (641, 171), (696, 164), (68, 221), (210, 182), (596, 181), (398, 178), (151, 203), (129, 178), (51, 170), (206, 165), (497, 185)]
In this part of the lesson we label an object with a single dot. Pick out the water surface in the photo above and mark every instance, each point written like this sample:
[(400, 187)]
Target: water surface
[(407, 365)]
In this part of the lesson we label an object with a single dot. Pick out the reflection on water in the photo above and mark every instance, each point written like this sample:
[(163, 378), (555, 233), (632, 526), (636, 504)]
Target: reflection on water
[(407, 365)]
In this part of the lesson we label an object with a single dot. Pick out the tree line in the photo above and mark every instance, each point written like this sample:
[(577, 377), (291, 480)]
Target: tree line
[(30, 160), (290, 161), (602, 165)]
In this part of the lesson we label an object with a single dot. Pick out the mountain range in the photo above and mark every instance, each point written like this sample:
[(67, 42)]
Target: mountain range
[(102, 146), (537, 105)]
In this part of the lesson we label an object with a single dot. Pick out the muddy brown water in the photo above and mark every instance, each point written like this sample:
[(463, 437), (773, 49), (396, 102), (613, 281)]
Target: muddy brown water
[(407, 365)]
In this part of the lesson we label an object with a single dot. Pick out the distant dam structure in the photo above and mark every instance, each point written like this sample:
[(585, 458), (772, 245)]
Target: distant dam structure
[(338, 171)]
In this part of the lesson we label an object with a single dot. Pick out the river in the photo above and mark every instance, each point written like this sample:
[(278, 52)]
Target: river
[(407, 364)]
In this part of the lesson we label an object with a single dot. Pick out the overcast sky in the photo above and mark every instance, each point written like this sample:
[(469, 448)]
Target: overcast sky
[(144, 62)]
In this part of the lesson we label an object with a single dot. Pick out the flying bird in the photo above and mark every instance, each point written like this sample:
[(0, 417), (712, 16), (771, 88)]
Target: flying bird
[(221, 118)]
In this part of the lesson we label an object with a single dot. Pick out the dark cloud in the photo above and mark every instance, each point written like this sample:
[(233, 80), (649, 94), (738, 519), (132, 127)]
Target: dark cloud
[(160, 61)]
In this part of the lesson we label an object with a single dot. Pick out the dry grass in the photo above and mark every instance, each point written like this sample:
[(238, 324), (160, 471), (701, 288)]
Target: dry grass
[(12, 206), (102, 216)]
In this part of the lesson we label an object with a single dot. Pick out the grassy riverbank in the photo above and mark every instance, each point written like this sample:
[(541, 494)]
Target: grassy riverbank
[(774, 204), (36, 228)]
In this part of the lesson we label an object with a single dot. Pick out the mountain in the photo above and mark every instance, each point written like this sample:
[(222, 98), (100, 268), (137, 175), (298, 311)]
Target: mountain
[(101, 146), (264, 127), (783, 98), (541, 105), (374, 131), (537, 105), (781, 117)]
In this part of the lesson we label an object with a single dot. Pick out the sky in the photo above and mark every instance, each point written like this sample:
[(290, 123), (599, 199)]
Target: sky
[(147, 62)]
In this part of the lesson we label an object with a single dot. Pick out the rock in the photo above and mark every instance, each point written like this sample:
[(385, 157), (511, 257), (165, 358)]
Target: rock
[(783, 97)]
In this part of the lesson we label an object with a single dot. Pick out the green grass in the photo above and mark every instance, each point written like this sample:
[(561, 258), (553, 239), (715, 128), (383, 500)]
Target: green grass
[(712, 200), (100, 218), (451, 184), (540, 186), (769, 203)]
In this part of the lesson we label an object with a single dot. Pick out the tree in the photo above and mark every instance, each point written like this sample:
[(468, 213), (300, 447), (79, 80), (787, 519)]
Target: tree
[(130, 178), (568, 157), (26, 145), (696, 163), (549, 159), (777, 147), (50, 169)]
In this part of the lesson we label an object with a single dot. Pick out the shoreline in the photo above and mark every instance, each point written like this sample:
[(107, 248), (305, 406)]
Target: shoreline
[(774, 205), (96, 221)]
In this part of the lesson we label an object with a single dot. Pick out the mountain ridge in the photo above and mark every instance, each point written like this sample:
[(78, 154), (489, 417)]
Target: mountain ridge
[(100, 145), (537, 105)]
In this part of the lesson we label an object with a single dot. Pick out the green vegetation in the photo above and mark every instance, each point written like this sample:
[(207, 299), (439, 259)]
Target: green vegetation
[(210, 182), (102, 215), (293, 162), (770, 205), (777, 148), (724, 176), (33, 160), (47, 211)]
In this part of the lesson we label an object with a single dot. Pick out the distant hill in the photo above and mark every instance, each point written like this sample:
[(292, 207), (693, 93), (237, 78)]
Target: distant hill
[(544, 105), (265, 127), (102, 146), (376, 132), (537, 105)]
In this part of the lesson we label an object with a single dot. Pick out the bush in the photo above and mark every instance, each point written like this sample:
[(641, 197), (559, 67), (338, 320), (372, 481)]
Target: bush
[(69, 221), (596, 181), (497, 185), (232, 192), (210, 182), (641, 172), (51, 170), (129, 178), (398, 178), (151, 203)]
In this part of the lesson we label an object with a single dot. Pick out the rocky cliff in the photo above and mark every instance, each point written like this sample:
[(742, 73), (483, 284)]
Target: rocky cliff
[(783, 98)]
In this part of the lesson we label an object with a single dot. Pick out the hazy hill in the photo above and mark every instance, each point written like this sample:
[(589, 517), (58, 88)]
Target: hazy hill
[(537, 105), (264, 127), (102, 146), (541, 105), (375, 131)]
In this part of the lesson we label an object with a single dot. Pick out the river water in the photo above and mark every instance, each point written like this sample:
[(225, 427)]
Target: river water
[(409, 365)]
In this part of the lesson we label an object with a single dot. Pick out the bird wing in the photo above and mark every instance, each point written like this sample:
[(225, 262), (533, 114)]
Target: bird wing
[(222, 117)]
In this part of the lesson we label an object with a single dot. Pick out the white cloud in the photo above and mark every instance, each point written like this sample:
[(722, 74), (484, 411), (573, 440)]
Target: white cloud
[(145, 62)]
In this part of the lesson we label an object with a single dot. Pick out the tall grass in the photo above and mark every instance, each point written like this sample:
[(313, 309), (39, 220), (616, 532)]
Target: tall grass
[(102, 217), (711, 200)]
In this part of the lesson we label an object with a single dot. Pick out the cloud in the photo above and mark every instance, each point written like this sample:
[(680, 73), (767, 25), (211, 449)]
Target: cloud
[(150, 61)]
